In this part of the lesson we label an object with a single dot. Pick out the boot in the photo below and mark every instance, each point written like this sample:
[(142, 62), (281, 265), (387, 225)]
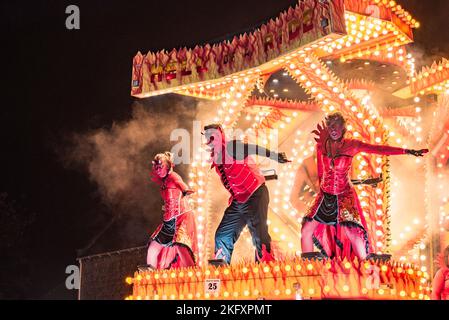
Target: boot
[(217, 262), (312, 256), (145, 268), (381, 257)]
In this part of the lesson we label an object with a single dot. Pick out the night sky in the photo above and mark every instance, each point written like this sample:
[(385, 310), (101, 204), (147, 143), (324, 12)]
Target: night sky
[(60, 83)]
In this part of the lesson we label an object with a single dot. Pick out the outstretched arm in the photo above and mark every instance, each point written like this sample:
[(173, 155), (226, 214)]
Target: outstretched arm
[(378, 149), (241, 150), (387, 150)]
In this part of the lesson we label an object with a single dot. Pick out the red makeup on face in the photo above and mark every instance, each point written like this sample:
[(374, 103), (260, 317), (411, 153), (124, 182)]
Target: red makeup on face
[(335, 129), (160, 168), (213, 139)]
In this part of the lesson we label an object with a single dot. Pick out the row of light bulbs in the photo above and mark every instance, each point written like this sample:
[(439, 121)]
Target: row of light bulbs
[(399, 11)]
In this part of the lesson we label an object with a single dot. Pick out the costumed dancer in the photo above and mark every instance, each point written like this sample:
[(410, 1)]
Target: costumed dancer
[(334, 223), (440, 285), (174, 243), (248, 203)]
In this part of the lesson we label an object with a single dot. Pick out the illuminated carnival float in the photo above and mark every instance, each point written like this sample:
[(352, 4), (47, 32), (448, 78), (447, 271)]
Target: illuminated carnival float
[(342, 55)]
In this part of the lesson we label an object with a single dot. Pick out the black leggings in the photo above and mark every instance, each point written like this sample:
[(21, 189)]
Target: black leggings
[(252, 213)]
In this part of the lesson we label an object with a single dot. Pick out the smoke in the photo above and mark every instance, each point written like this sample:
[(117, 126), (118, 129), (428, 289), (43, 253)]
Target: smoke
[(117, 161), (425, 57)]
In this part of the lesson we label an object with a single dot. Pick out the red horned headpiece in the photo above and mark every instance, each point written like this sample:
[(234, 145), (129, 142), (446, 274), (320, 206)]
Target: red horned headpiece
[(159, 160)]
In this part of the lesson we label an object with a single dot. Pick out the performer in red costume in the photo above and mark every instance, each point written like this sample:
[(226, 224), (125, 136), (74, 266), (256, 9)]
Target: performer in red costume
[(248, 204), (335, 221), (174, 243), (440, 289)]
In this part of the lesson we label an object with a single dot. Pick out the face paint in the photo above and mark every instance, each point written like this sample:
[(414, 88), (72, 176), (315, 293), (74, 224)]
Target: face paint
[(214, 139), (161, 168), (335, 129)]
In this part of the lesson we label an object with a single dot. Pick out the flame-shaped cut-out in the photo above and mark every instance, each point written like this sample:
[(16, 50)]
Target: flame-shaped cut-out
[(275, 279), (430, 76), (292, 29)]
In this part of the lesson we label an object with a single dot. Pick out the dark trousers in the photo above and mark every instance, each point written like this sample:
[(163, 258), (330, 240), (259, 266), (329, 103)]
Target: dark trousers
[(252, 213)]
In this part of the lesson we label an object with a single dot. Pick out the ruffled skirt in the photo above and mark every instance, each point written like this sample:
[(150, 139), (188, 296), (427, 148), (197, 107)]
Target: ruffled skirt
[(335, 212), (178, 240)]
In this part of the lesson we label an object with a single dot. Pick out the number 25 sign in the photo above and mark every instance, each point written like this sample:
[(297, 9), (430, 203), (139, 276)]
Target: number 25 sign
[(212, 286)]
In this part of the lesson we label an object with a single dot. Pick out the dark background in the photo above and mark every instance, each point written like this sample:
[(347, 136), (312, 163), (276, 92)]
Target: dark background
[(59, 82)]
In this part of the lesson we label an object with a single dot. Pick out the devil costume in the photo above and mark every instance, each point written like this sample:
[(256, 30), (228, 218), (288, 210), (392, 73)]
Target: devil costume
[(336, 204), (440, 289), (249, 197), (440, 285), (177, 232)]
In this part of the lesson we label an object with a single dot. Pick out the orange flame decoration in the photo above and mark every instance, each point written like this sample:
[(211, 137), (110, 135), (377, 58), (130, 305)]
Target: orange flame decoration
[(382, 9), (328, 279), (307, 106), (305, 23), (291, 29), (283, 104), (360, 84), (431, 79)]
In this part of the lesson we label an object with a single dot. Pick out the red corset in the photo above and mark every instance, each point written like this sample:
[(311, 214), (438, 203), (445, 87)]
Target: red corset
[(175, 203), (335, 158), (336, 180)]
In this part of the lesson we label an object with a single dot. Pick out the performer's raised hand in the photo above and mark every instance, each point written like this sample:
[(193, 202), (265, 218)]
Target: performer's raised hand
[(322, 133), (417, 153), (282, 158)]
